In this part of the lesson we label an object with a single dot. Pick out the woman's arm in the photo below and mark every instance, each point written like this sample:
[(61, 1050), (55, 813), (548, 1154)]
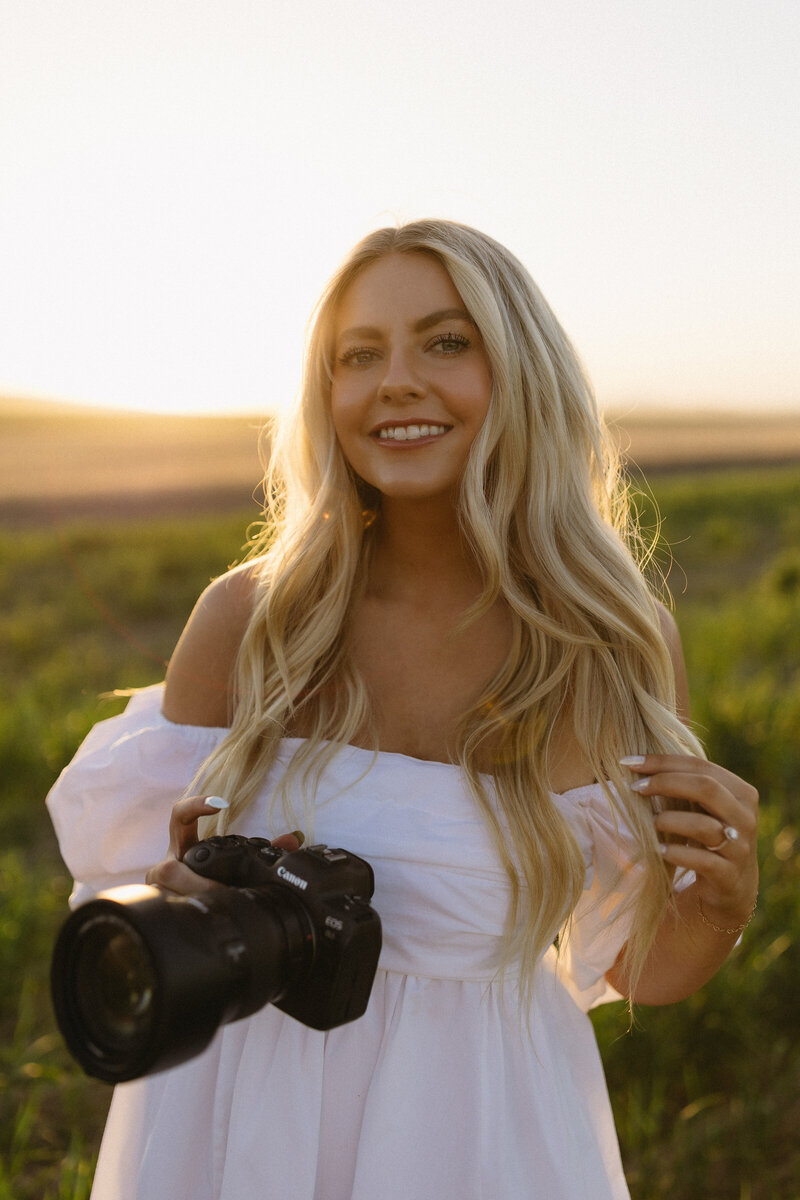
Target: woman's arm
[(721, 849), (693, 942), (199, 691), (199, 688)]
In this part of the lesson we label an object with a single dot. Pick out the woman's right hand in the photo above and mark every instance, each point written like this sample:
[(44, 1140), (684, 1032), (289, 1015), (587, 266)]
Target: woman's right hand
[(171, 874)]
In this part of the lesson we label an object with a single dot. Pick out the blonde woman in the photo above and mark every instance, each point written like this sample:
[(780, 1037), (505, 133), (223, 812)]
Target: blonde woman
[(442, 656)]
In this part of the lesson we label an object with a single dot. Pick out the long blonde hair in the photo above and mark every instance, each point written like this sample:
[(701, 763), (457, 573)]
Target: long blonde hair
[(544, 510)]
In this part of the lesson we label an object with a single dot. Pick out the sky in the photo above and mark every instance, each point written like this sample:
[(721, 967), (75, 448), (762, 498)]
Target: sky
[(178, 178)]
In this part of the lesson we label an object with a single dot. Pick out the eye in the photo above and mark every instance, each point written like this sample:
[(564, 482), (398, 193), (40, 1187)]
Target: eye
[(449, 344), (357, 356)]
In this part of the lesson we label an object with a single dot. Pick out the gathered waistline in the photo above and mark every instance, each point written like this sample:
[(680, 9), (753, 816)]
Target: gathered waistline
[(421, 970)]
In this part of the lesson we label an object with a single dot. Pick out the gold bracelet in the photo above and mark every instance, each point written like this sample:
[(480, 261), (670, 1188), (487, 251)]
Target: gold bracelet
[(718, 928)]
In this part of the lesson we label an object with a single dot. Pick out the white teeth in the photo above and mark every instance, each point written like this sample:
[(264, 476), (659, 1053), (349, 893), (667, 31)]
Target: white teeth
[(409, 433)]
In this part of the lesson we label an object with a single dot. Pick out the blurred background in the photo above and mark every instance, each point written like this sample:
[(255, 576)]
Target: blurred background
[(178, 180)]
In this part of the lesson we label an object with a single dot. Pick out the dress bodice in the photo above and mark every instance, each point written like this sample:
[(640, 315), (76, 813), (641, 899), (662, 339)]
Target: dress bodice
[(441, 889)]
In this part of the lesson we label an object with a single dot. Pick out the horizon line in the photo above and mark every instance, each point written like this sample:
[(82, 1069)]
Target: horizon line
[(20, 404)]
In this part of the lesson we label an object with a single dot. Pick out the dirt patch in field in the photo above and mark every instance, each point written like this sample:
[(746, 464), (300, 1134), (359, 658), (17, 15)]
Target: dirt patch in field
[(62, 463), (65, 465), (669, 441)]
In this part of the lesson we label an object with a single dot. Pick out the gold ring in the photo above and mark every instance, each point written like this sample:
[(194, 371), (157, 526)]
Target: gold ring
[(729, 834)]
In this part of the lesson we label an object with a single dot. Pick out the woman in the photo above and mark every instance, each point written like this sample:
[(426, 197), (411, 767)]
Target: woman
[(443, 657)]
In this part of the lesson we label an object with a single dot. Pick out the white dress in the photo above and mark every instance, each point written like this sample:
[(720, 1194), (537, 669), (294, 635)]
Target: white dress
[(438, 1092)]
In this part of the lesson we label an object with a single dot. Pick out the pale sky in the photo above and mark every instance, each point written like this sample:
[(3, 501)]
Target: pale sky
[(179, 177)]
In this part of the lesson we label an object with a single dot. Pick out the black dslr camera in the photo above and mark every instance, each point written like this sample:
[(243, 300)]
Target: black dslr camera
[(142, 980)]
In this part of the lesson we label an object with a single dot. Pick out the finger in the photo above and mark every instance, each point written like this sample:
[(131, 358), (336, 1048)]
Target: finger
[(653, 764), (289, 841), (184, 817), (726, 884), (710, 833), (729, 887), (702, 789), (699, 859), (175, 877)]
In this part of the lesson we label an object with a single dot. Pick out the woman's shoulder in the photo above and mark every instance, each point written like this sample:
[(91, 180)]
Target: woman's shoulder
[(672, 637), (199, 686)]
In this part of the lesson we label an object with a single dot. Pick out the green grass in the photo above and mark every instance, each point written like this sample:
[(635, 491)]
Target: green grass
[(706, 1093), (86, 608)]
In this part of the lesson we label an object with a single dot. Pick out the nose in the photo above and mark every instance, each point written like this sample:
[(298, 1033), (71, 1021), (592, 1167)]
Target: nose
[(401, 381)]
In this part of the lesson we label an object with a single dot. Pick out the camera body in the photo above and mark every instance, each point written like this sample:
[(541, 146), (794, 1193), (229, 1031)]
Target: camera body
[(335, 956), (141, 980)]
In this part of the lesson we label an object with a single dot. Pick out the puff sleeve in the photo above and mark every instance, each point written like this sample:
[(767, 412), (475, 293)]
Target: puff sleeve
[(603, 918), (111, 805)]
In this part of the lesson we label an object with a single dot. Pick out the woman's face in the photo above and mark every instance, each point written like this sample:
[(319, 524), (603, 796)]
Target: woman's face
[(411, 378)]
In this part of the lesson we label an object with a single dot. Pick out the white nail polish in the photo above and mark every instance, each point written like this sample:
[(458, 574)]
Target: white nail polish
[(216, 802), (633, 760), (641, 785)]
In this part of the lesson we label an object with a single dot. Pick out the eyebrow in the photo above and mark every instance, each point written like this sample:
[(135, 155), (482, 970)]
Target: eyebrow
[(434, 318)]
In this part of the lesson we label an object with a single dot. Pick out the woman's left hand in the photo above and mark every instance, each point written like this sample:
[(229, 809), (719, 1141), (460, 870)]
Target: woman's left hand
[(717, 842), (171, 874)]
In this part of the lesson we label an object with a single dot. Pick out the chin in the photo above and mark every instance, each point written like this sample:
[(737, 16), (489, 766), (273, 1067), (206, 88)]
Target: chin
[(418, 492)]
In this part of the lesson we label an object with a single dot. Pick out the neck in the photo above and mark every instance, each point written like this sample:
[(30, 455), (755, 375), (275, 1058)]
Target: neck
[(420, 552)]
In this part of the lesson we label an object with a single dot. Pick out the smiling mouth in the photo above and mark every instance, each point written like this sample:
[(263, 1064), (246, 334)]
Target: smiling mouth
[(409, 433)]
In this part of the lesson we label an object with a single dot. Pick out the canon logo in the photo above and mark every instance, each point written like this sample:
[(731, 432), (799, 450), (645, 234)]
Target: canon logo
[(295, 879)]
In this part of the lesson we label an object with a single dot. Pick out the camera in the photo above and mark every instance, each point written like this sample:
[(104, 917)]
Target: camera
[(141, 980)]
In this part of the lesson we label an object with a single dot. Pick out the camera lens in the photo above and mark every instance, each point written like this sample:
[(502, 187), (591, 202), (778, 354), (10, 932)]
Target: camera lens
[(141, 981), (115, 985)]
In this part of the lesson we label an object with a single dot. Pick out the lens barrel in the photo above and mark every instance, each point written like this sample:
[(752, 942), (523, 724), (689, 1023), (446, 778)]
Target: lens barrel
[(141, 981)]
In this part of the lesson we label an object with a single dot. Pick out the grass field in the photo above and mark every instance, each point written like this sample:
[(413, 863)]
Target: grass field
[(706, 1093)]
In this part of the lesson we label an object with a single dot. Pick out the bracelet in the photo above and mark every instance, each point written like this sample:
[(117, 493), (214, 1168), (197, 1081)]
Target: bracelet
[(718, 928)]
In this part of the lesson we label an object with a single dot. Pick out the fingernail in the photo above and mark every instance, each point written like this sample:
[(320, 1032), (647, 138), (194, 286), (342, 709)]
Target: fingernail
[(641, 785), (301, 837), (633, 760), (216, 802)]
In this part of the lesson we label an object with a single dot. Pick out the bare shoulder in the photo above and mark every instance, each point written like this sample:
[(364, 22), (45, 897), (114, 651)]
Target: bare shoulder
[(671, 635), (199, 687)]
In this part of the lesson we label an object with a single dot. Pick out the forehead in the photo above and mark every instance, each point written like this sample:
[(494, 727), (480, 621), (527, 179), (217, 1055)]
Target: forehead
[(398, 287)]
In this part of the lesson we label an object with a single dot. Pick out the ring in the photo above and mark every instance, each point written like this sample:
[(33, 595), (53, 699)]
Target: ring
[(729, 834)]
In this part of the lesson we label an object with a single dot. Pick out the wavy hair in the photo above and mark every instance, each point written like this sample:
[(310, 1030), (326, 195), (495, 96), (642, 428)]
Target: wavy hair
[(544, 508)]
